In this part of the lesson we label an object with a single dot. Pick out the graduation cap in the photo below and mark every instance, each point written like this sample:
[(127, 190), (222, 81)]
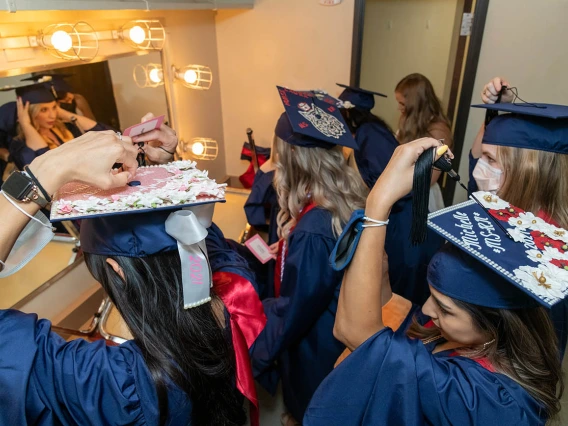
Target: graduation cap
[(169, 210), (486, 268), (539, 126), (38, 93), (361, 98), (312, 119), (58, 82)]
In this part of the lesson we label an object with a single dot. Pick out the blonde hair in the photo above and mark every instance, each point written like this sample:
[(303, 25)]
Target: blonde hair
[(319, 175), (422, 108), (59, 127), (535, 181)]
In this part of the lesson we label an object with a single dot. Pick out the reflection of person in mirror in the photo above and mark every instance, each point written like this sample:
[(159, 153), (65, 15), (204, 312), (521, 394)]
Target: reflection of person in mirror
[(43, 124), (75, 103)]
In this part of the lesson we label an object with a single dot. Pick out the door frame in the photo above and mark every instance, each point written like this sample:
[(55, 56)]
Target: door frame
[(468, 82)]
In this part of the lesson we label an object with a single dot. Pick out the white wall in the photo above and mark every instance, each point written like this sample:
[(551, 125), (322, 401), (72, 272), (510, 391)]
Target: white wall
[(403, 37), (133, 102), (294, 43), (524, 41)]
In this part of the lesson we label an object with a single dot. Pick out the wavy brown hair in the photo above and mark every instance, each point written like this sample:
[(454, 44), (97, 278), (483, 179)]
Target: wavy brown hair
[(319, 175), (525, 349), (422, 108), (535, 181)]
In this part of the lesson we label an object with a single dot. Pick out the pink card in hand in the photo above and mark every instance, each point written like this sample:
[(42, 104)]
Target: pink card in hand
[(147, 126), (259, 248)]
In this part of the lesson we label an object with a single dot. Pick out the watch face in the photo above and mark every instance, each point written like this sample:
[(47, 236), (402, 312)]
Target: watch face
[(17, 185)]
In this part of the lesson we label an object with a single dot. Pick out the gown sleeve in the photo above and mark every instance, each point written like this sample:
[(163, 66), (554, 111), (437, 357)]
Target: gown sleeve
[(391, 379), (471, 184), (307, 291), (46, 380), (23, 155), (262, 195)]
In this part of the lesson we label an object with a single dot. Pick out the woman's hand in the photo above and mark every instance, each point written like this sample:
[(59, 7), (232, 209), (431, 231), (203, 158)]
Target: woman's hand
[(160, 144), (89, 159), (23, 112), (396, 180), (490, 92)]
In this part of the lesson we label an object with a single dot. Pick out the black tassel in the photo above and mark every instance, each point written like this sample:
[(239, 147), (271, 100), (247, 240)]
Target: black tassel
[(421, 196)]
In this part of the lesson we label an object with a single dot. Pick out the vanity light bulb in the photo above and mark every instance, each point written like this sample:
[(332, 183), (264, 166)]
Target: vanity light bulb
[(190, 77), (61, 41), (137, 34), (198, 148), (155, 75)]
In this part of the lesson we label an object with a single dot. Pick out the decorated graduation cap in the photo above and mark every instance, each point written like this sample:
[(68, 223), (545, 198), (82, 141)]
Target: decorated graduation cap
[(38, 93), (360, 98), (58, 81), (539, 126), (486, 267), (312, 119), (169, 208)]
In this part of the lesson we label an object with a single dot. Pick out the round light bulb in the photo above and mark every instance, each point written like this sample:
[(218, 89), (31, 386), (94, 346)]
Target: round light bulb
[(190, 77), (198, 148), (155, 75), (137, 34), (61, 41)]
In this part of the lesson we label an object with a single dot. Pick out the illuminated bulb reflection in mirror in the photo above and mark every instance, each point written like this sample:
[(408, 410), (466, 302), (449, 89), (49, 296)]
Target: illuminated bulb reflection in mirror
[(197, 148), (151, 75), (190, 77), (137, 34)]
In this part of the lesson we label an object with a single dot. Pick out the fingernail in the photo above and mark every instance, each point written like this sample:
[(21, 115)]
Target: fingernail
[(442, 150)]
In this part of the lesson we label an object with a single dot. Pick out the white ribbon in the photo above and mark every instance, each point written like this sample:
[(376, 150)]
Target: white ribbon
[(189, 228)]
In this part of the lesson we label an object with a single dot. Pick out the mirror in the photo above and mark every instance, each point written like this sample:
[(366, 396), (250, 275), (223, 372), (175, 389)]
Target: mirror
[(108, 92)]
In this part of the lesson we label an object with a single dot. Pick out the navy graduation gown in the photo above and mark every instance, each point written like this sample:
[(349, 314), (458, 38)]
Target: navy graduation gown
[(299, 332), (376, 144), (394, 380), (407, 263), (47, 381)]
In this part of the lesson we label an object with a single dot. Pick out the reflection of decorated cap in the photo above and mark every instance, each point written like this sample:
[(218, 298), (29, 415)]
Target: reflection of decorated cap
[(58, 82), (312, 119), (39, 93), (543, 127), (361, 98), (169, 209), (490, 269)]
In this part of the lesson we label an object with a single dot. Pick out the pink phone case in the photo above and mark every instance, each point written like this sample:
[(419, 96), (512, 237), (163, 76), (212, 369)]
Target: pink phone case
[(147, 126), (259, 248)]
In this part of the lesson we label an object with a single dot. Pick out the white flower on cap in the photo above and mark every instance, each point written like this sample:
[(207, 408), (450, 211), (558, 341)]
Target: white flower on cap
[(546, 280), (517, 235), (555, 233), (538, 256), (556, 254), (490, 201)]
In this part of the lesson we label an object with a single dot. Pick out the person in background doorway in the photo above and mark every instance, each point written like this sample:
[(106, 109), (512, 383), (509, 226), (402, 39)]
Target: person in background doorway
[(422, 115)]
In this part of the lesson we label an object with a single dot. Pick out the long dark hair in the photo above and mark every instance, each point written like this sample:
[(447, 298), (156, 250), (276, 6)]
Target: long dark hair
[(525, 349), (356, 117), (422, 108), (186, 347)]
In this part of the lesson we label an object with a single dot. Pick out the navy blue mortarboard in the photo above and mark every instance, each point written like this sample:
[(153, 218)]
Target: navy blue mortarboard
[(486, 268), (39, 93), (361, 98), (312, 120), (58, 82), (543, 127)]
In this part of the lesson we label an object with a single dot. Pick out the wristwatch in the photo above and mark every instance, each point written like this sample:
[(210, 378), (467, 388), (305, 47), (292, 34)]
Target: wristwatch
[(21, 187)]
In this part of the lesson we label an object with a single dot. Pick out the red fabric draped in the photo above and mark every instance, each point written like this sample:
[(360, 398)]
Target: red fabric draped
[(283, 252), (247, 321)]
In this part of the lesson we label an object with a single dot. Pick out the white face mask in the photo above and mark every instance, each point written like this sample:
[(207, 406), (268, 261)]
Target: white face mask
[(488, 178), (30, 242)]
